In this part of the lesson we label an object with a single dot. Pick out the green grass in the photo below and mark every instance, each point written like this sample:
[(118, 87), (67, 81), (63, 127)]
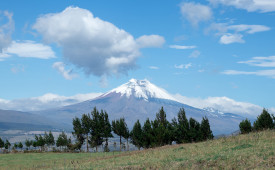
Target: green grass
[(252, 151)]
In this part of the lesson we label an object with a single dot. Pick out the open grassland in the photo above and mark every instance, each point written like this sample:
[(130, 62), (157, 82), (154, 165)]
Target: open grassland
[(252, 151)]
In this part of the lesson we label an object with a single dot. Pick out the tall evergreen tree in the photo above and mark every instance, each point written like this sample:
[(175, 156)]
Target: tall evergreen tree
[(136, 135), (7, 144), (86, 127), (40, 141), (147, 135), (2, 144), (28, 143), (20, 145), (119, 127), (194, 132), (62, 140), (181, 127), (106, 127), (96, 137), (264, 121), (206, 132), (78, 133)]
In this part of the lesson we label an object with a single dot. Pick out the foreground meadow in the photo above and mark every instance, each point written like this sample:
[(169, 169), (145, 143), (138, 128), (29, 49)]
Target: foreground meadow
[(255, 150)]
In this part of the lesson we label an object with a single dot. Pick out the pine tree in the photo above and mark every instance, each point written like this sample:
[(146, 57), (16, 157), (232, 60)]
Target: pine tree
[(120, 128), (28, 143), (40, 141), (147, 135), (136, 135), (194, 132), (20, 145), (264, 121), (78, 133), (107, 129), (62, 140), (2, 144), (181, 127), (86, 127), (206, 132), (7, 144), (245, 126), (96, 137)]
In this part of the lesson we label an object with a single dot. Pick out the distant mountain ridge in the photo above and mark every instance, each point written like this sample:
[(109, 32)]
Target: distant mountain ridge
[(140, 99)]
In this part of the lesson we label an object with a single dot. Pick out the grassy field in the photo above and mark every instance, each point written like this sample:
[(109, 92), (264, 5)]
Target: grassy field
[(252, 151)]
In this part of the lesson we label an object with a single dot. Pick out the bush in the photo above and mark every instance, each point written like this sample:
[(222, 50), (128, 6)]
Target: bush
[(245, 126)]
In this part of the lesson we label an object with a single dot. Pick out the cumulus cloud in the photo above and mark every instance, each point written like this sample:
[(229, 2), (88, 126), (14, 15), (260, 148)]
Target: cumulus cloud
[(5, 32), (249, 5), (183, 66), (95, 45), (30, 49), (195, 54), (182, 47), (234, 33), (266, 73), (147, 41), (231, 38), (67, 74), (223, 104), (195, 12), (46, 101), (261, 61)]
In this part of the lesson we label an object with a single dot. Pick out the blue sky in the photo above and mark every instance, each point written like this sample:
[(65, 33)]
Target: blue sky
[(220, 53)]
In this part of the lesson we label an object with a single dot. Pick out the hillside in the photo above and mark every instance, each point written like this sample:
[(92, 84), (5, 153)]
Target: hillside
[(255, 150)]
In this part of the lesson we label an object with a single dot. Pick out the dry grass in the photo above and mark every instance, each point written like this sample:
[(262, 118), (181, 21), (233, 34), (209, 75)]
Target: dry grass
[(252, 151)]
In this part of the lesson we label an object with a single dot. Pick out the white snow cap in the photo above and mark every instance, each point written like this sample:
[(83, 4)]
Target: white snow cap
[(141, 89)]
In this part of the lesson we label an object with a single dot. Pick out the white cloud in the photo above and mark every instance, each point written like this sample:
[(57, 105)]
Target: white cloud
[(67, 74), (266, 73), (146, 41), (231, 38), (95, 45), (234, 33), (30, 49), (5, 32), (261, 61), (153, 67), (3, 56), (46, 101), (183, 66), (249, 5), (223, 104), (182, 47), (195, 12), (195, 54)]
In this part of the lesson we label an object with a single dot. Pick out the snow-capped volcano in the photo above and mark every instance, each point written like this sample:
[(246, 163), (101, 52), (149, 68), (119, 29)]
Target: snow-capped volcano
[(142, 89)]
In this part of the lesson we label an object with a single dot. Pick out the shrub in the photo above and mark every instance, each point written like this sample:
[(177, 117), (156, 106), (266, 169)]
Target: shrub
[(245, 126)]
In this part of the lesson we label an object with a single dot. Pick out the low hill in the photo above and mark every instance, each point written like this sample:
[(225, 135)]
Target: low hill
[(251, 151)]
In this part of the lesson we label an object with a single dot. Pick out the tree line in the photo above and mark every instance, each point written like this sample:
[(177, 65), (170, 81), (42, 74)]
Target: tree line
[(264, 121), (94, 129)]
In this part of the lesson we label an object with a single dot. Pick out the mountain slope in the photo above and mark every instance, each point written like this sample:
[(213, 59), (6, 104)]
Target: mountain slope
[(140, 99)]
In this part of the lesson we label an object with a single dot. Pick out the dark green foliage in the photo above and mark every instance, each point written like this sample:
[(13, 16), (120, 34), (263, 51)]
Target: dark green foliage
[(181, 127), (20, 145), (49, 139), (120, 128), (136, 135), (106, 127), (264, 121), (195, 130), (28, 143), (206, 132), (62, 140), (96, 137), (162, 129), (86, 124), (7, 144), (245, 126), (78, 133), (40, 141), (15, 146), (147, 132), (2, 144)]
